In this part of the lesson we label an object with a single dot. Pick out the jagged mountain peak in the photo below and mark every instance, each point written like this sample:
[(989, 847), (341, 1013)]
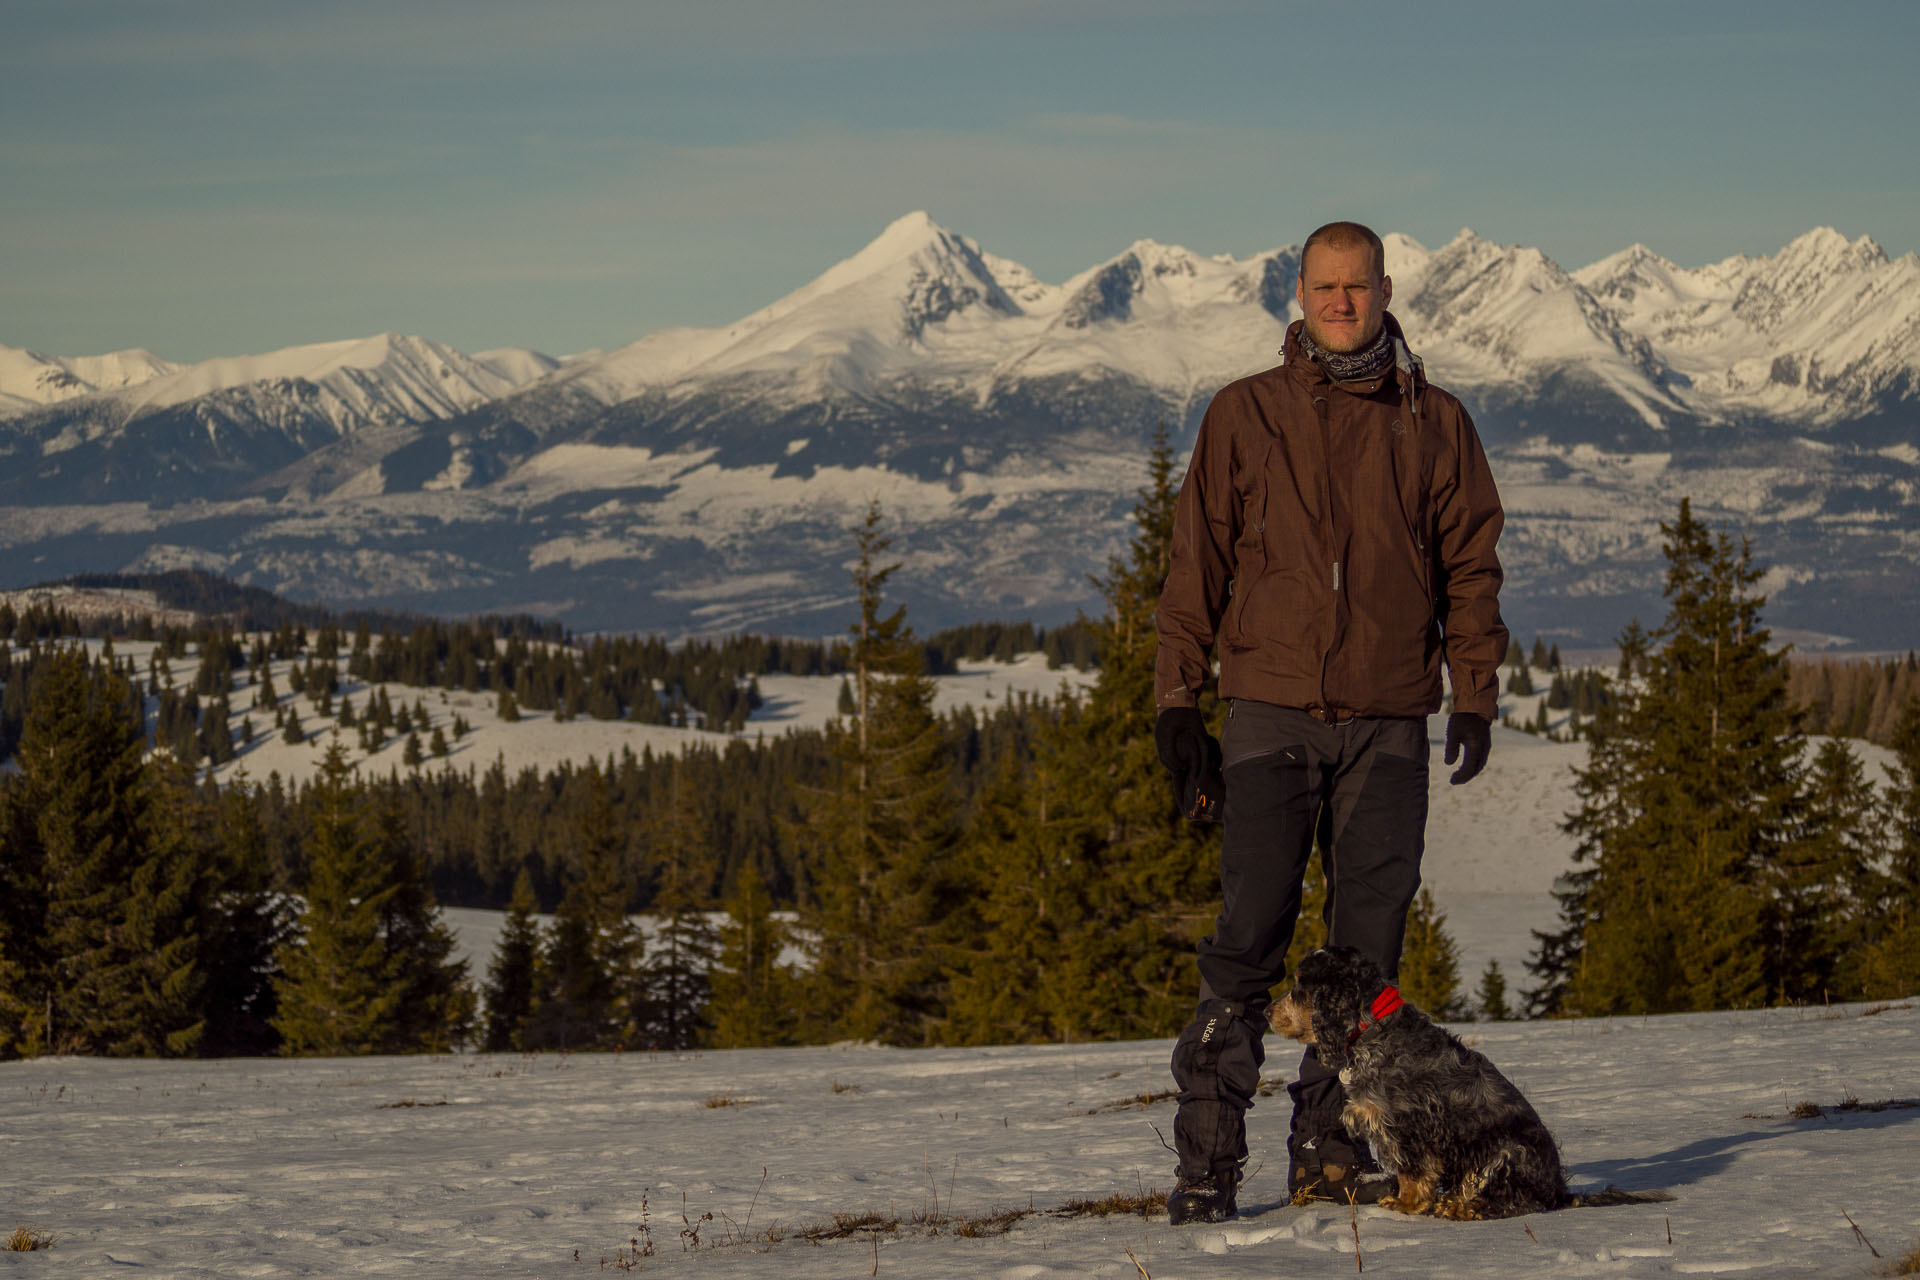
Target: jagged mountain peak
[(1633, 274), (1827, 244), (915, 273), (1110, 292)]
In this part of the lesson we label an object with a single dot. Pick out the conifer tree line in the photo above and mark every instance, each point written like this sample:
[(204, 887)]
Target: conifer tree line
[(1018, 875), (349, 956), (1717, 866), (638, 678), (1855, 698), (223, 602)]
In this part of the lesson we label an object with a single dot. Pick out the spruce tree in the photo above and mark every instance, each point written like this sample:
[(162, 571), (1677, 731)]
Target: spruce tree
[(1822, 880), (1491, 999), (755, 997), (513, 975), (436, 1001), (882, 833), (591, 950), (1689, 800), (338, 990), (1887, 965), (1150, 878), (245, 925), (101, 950), (676, 976), (1091, 888), (163, 974), (1012, 983), (1430, 961)]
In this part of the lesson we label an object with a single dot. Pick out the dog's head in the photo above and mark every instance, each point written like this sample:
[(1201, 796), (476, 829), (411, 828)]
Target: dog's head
[(1331, 989)]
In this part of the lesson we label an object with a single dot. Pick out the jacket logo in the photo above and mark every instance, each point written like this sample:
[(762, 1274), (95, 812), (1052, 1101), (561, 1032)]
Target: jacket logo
[(1399, 428)]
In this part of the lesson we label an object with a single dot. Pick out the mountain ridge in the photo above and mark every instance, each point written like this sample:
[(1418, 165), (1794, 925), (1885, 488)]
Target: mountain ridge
[(701, 475)]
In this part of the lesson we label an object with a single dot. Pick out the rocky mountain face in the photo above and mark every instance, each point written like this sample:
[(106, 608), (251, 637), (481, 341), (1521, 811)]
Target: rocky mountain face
[(704, 479)]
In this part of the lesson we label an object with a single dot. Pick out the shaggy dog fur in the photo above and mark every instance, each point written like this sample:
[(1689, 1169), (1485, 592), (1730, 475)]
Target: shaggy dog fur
[(1461, 1139)]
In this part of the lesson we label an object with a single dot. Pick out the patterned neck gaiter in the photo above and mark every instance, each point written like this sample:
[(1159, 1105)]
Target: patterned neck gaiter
[(1369, 362)]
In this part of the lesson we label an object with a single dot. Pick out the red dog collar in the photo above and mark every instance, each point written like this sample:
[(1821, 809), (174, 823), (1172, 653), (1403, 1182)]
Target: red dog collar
[(1383, 1004)]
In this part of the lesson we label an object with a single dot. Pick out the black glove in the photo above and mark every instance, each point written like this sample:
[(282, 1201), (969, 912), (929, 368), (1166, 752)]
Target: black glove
[(1192, 756), (1471, 733)]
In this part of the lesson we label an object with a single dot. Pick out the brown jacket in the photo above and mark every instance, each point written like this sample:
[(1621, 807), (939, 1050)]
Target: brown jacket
[(1336, 539)]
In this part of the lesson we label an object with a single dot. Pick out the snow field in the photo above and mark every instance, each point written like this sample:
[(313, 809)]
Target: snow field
[(484, 1165), (537, 740)]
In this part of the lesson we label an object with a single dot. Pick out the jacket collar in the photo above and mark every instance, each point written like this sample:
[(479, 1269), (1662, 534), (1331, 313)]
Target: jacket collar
[(1407, 369)]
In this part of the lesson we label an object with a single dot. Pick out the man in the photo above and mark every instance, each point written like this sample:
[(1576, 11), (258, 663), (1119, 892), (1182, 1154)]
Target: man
[(1334, 539)]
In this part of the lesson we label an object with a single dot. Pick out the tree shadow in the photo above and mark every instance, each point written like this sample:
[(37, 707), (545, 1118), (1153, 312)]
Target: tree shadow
[(1709, 1156)]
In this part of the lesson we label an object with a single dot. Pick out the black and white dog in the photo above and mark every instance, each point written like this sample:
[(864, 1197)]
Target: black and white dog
[(1457, 1134)]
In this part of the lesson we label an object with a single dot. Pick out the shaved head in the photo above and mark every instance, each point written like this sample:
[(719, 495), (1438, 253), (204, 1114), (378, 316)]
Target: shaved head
[(1347, 235)]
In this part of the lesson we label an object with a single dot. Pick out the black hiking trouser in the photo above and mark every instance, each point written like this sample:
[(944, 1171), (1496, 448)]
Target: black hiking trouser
[(1361, 785)]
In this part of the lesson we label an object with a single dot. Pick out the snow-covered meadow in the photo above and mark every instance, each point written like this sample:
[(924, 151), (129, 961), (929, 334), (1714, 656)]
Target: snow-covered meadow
[(551, 1165)]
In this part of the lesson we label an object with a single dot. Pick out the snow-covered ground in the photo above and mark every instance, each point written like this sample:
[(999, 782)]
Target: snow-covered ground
[(551, 1165), (538, 741)]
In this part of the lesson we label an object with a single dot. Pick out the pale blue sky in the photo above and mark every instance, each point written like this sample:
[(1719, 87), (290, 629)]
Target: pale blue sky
[(215, 178)]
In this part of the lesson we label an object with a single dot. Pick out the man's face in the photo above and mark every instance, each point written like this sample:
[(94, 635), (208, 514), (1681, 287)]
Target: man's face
[(1343, 301)]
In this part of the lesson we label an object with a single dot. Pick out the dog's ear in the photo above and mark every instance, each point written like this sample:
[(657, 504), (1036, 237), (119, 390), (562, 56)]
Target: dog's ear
[(1327, 981)]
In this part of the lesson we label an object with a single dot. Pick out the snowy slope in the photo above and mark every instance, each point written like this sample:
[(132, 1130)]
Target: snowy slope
[(923, 305), (550, 1165), (1816, 333), (388, 377), (28, 378)]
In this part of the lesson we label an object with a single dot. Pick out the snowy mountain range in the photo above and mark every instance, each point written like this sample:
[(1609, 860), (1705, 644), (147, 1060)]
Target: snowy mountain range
[(703, 479)]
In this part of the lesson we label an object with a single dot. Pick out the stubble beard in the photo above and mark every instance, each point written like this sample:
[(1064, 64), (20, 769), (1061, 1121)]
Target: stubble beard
[(1341, 346)]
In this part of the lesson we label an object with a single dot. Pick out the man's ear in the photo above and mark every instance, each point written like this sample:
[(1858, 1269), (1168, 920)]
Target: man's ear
[(1386, 290)]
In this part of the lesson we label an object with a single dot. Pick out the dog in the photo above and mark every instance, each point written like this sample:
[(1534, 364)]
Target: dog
[(1457, 1134)]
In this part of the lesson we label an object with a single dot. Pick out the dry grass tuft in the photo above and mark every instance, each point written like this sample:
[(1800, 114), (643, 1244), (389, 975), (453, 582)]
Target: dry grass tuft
[(1138, 1102), (988, 1224), (1885, 1104), (1908, 1265), (839, 1087), (848, 1224), (1806, 1110), (925, 1221), (1142, 1206), (27, 1240), (727, 1099)]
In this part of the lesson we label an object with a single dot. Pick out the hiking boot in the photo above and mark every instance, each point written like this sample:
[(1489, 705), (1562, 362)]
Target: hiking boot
[(1204, 1199), (1337, 1169)]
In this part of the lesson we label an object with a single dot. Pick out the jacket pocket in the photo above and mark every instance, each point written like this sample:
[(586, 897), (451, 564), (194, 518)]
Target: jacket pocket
[(1272, 612)]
